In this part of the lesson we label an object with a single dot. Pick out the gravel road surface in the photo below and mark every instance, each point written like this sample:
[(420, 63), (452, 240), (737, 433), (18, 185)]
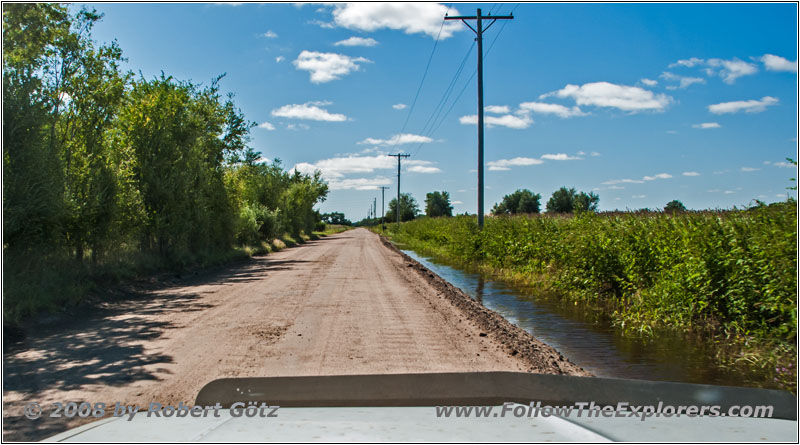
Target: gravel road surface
[(344, 304)]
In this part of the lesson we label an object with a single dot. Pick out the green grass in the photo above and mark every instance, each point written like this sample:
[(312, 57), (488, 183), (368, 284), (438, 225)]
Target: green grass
[(728, 275)]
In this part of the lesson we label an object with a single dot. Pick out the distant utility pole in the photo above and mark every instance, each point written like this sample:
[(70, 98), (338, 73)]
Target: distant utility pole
[(397, 207), (374, 208), (383, 189), (479, 32)]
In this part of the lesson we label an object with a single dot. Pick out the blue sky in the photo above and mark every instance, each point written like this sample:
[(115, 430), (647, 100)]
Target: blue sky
[(640, 103)]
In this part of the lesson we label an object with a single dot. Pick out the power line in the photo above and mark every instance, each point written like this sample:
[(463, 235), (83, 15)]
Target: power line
[(430, 58), (466, 84), (437, 111), (440, 106), (449, 90)]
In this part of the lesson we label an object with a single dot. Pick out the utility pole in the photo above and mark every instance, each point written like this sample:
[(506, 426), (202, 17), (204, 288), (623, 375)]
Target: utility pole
[(397, 207), (479, 32), (383, 189), (374, 208)]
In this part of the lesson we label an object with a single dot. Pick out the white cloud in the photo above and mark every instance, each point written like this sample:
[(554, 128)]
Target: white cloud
[(497, 109), (545, 108), (594, 153), (622, 181), (357, 41), (296, 127), (279, 59), (615, 187), (783, 164), (310, 111), (683, 81), (269, 34), (605, 94), (750, 169), (399, 106), (777, 63), (420, 166), (638, 181), (322, 24), (267, 126), (325, 67), (748, 106), (649, 82), (456, 202), (639, 196), (412, 18), (687, 62), (508, 120), (560, 157), (505, 164), (728, 192), (423, 169), (658, 176), (357, 183), (334, 169), (730, 70), (714, 191), (398, 139), (262, 160), (706, 125), (337, 167), (690, 174)]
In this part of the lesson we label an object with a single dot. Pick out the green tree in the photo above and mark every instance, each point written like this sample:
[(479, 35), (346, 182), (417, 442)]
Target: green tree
[(674, 206), (566, 200), (179, 162), (336, 218), (97, 162), (438, 204), (32, 174), (521, 201), (91, 100), (793, 162), (562, 201), (299, 200), (585, 202), (408, 208)]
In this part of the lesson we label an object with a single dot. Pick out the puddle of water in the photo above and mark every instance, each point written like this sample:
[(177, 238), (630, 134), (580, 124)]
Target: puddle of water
[(591, 342)]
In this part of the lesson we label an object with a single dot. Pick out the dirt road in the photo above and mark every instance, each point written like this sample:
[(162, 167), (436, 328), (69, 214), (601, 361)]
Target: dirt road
[(345, 304)]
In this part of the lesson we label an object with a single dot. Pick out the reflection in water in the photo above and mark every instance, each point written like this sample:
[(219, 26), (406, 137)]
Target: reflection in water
[(479, 289), (588, 339)]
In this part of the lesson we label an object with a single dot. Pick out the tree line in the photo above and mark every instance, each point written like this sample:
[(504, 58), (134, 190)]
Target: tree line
[(99, 163), (522, 201)]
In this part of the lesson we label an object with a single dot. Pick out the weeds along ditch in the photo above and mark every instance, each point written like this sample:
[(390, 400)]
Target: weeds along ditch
[(728, 277)]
